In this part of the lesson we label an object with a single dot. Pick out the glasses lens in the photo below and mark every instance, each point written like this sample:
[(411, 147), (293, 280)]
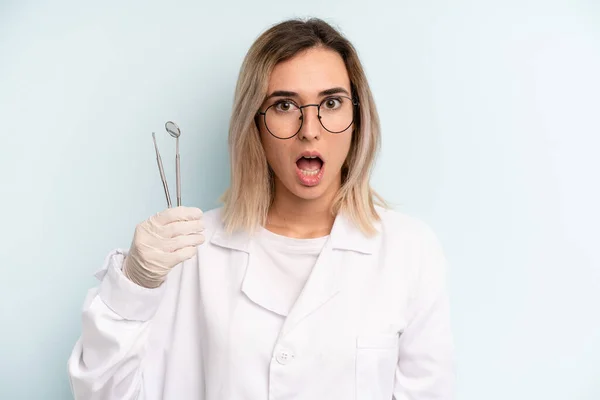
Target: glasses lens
[(337, 114), (283, 119)]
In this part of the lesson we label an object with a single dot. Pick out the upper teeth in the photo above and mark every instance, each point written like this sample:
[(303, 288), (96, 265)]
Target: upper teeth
[(310, 156)]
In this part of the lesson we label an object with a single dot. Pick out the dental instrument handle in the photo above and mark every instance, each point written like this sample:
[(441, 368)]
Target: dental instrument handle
[(162, 172), (164, 182), (178, 174)]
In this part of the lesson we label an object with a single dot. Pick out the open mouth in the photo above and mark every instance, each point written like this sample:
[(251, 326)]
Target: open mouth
[(310, 168), (309, 165)]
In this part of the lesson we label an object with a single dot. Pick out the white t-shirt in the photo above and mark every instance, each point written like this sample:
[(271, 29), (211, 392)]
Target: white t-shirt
[(287, 262)]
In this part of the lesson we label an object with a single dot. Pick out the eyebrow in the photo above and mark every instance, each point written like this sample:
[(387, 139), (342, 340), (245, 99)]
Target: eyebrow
[(287, 93)]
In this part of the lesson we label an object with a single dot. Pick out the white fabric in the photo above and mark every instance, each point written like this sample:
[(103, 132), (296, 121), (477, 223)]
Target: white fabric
[(285, 265), (372, 322)]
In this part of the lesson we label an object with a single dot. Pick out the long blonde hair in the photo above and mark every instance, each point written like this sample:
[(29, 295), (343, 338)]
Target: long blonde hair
[(247, 201)]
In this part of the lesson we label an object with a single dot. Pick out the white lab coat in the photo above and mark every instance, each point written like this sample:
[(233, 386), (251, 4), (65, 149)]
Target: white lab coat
[(372, 323)]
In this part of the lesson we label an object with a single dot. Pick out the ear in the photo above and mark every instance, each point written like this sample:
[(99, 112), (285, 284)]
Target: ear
[(256, 122)]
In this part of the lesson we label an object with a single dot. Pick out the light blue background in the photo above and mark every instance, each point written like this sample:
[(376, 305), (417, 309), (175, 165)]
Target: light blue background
[(491, 125)]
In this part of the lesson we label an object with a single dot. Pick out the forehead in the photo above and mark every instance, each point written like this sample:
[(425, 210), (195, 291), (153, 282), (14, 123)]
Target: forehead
[(310, 72)]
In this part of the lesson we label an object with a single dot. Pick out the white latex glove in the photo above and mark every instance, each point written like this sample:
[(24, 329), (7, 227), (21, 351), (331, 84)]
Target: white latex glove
[(162, 242)]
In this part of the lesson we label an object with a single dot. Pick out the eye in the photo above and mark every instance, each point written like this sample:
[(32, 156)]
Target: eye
[(332, 103), (285, 106)]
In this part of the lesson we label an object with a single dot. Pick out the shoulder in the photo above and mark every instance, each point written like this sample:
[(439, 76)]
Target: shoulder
[(400, 227), (215, 234), (213, 219), (413, 241), (393, 221), (213, 215)]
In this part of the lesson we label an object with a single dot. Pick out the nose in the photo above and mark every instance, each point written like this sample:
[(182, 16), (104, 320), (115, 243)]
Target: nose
[(311, 127)]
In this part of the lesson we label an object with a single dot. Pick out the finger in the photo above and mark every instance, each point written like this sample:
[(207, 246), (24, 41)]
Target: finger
[(171, 245), (175, 214), (184, 254), (182, 228)]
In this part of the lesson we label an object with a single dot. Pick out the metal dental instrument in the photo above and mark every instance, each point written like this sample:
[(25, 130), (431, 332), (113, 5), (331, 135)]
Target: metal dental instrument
[(175, 132), (162, 172)]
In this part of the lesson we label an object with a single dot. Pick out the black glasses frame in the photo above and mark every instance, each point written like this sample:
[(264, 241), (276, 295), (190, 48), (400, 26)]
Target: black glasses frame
[(355, 104)]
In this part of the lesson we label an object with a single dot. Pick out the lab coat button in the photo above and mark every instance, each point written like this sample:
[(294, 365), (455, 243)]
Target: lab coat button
[(284, 357)]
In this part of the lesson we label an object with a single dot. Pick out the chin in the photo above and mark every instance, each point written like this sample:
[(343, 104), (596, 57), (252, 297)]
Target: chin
[(308, 193), (313, 192)]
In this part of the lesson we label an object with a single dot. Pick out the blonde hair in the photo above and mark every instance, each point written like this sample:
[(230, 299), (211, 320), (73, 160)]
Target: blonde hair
[(251, 192)]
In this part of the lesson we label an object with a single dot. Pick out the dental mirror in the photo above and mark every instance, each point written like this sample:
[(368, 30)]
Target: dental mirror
[(173, 129)]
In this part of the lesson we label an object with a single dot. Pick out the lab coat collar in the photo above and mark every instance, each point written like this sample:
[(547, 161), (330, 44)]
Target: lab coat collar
[(324, 281), (345, 235)]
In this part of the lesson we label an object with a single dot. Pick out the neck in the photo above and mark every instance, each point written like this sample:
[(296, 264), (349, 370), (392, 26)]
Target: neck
[(295, 217)]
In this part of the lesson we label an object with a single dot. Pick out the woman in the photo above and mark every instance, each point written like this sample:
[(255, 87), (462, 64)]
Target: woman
[(300, 286)]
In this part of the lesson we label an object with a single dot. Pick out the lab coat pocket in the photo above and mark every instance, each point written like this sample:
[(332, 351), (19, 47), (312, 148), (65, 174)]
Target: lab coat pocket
[(376, 360)]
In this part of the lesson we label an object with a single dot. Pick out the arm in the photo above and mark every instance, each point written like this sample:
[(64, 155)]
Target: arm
[(425, 369), (107, 360)]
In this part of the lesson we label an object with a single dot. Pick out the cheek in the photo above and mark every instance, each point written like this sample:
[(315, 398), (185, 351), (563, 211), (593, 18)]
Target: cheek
[(341, 147), (275, 150), (266, 142)]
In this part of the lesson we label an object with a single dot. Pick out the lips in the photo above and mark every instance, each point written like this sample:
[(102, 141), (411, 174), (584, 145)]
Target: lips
[(310, 154)]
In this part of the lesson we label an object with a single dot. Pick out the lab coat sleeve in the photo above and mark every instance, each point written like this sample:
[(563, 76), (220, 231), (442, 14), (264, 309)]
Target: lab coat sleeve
[(425, 368), (107, 360)]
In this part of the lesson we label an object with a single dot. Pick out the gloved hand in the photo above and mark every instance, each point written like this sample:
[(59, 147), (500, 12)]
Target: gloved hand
[(162, 242)]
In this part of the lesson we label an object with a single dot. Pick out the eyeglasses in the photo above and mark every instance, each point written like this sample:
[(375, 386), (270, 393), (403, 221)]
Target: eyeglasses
[(284, 118)]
